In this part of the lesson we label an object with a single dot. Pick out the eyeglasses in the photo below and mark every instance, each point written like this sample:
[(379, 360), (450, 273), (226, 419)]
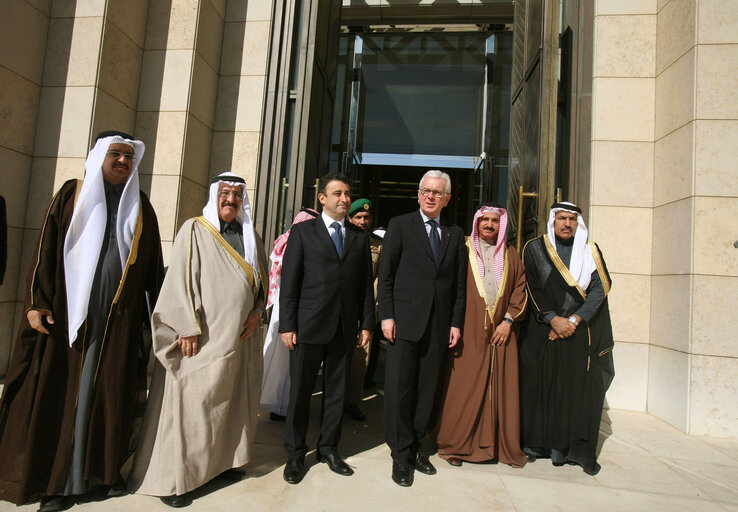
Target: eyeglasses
[(225, 194), (117, 154), (425, 192)]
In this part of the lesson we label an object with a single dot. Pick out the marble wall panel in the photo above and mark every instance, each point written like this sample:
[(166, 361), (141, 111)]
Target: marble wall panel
[(164, 193), (165, 80), (714, 322), (623, 109), (716, 158), (112, 114), (674, 165), (210, 34), (675, 95), (717, 21), (23, 31), (163, 133), (16, 172), (611, 226), (668, 386), (672, 238), (240, 101), (193, 196), (130, 17), (629, 387), (203, 92), (172, 25), (120, 66), (77, 8), (625, 7), (717, 69), (622, 173), (630, 307), (675, 32), (42, 5), (713, 407), (64, 117), (197, 148), (18, 109), (237, 152), (625, 46), (671, 312), (47, 177), (715, 233), (72, 51)]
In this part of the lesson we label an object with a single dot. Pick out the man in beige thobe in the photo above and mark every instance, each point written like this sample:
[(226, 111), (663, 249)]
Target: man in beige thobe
[(204, 398)]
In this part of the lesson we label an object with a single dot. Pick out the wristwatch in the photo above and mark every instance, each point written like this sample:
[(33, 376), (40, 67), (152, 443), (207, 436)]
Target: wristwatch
[(509, 320), (573, 320)]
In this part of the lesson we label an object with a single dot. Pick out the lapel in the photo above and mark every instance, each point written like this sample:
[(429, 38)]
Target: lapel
[(422, 234), (325, 239), (445, 239), (348, 239)]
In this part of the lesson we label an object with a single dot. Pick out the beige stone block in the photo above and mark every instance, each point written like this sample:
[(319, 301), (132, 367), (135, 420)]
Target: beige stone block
[(240, 101), (675, 32), (672, 238), (72, 51), (42, 5), (237, 152), (713, 407), (164, 194), (625, 46), (717, 21), (629, 387), (611, 162), (110, 113), (661, 3), (23, 31), (714, 322), (77, 8), (220, 7), (64, 117), (623, 109), (716, 158), (245, 48), (204, 90), (14, 185), (12, 278), (197, 148), (210, 34), (7, 335), (182, 27), (671, 312), (166, 252), (18, 109), (609, 226), (249, 10), (120, 66), (165, 80), (130, 17), (674, 166), (47, 177), (675, 95), (717, 67), (630, 307), (715, 233), (625, 7), (193, 197), (668, 386), (164, 135)]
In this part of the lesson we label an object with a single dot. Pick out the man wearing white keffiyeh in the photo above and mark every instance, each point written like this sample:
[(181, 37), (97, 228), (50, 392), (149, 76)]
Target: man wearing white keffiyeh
[(77, 379), (566, 354)]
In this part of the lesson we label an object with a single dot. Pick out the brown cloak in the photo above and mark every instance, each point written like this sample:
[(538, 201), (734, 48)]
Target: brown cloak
[(479, 416), (39, 401)]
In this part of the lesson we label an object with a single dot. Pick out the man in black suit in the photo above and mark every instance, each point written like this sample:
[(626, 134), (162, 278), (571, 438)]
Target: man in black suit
[(326, 296), (422, 293)]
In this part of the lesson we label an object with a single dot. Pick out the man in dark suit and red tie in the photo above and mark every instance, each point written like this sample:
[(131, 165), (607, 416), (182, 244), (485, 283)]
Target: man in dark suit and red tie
[(327, 295), (421, 294)]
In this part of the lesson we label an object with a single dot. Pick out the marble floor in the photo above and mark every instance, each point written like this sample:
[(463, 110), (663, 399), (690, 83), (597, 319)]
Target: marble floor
[(646, 465)]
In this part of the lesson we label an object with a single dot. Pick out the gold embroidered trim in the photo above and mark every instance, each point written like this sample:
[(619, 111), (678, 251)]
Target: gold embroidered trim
[(563, 270), (600, 267), (480, 284), (230, 250), (605, 352), (189, 282)]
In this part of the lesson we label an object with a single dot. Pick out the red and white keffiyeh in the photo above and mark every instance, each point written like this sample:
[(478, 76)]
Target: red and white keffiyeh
[(499, 255)]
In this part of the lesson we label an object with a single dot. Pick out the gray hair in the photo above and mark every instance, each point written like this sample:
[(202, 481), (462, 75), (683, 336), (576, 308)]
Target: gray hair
[(437, 174)]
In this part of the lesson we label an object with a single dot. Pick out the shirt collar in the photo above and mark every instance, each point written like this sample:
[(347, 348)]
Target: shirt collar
[(426, 218), (328, 221)]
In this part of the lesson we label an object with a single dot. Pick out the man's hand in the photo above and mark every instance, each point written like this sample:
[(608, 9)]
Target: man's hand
[(188, 345), (250, 325), (34, 319), (289, 339), (562, 327), (364, 337), (454, 337), (389, 329), (501, 334)]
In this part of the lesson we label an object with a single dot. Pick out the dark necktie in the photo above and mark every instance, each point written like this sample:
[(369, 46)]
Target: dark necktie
[(337, 238), (435, 241)]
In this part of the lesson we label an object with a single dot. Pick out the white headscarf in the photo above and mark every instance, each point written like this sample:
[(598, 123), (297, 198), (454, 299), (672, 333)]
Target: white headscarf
[(499, 254), (87, 228), (582, 263), (210, 212)]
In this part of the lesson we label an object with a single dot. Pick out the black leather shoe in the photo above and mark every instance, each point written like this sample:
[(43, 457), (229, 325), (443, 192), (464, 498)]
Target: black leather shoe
[(402, 474), (293, 471), (423, 465), (353, 412), (176, 501), (54, 503), (336, 464), (233, 474)]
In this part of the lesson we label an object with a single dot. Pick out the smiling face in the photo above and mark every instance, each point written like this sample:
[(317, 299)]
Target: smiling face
[(565, 224), (432, 197), (489, 227), (118, 163), (336, 200), (230, 198)]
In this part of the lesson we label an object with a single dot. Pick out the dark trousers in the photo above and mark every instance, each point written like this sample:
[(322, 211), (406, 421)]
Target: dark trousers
[(411, 377), (305, 362)]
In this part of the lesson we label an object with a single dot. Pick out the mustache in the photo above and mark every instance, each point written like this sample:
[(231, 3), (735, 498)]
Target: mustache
[(227, 203)]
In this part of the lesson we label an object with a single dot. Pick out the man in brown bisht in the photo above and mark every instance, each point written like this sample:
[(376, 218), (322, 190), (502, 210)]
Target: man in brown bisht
[(76, 382), (479, 416)]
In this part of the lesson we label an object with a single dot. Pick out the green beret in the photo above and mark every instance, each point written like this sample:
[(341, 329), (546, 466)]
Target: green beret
[(360, 204)]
